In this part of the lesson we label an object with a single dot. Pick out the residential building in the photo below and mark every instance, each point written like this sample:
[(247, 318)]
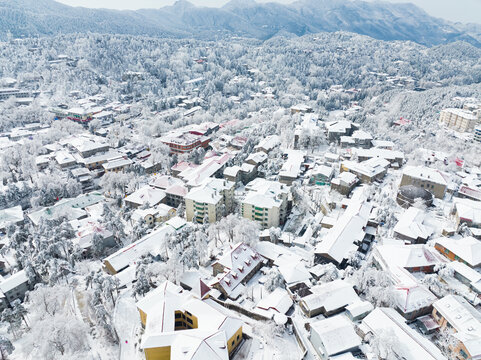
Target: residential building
[(328, 299), (301, 108), (458, 119), (267, 144), (395, 158), (15, 286), (179, 325), (347, 235), (321, 175), (291, 169), (117, 165), (477, 133), (410, 345), (454, 312), (334, 336), (467, 212), (277, 302), (413, 258), (210, 201), (145, 196), (210, 167), (430, 179), (72, 208), (367, 171), (11, 216), (412, 226), (466, 250), (266, 202), (157, 214), (344, 183), (244, 173), (336, 129), (65, 159), (152, 243), (175, 195), (234, 269), (96, 161)]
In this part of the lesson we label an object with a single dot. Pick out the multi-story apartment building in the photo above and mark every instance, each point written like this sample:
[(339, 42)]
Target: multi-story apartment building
[(266, 202), (427, 178), (458, 119), (455, 313), (477, 132), (210, 201)]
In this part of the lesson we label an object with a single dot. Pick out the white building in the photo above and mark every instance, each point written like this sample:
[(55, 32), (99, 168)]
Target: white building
[(266, 202), (334, 336), (211, 200)]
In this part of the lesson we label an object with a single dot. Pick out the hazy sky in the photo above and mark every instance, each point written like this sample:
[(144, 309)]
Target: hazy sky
[(454, 10)]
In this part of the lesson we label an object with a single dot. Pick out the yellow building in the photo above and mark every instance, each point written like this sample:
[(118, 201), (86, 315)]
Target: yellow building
[(458, 119), (455, 313), (181, 325)]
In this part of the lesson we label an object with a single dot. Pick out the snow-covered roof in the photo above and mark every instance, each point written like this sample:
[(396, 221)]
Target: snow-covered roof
[(369, 168), (72, 208), (269, 142), (165, 181), (407, 256), (292, 167), (206, 342), (196, 176), (468, 210), (461, 112), (383, 144), (232, 171), (265, 193), (361, 135), (294, 272), (426, 174), (10, 216), (348, 230), (258, 157), (210, 191), (386, 154), (161, 210), (345, 179), (337, 334), (153, 242), (323, 170), (63, 157), (116, 163), (278, 301), (146, 195), (467, 249), (359, 308), (465, 319), (331, 296), (411, 225), (238, 263), (340, 126), (13, 281), (465, 271), (410, 345)]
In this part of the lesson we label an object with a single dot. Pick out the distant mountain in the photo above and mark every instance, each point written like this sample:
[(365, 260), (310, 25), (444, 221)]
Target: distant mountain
[(380, 20)]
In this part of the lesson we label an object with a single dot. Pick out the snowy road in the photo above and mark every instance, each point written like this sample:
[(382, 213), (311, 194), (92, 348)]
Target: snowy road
[(127, 321)]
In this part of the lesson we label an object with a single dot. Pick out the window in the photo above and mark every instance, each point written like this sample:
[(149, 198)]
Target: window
[(178, 315), (233, 342), (189, 321), (463, 354), (238, 336)]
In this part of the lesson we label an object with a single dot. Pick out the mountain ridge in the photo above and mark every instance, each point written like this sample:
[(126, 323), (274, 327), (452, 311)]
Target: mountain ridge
[(380, 20)]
